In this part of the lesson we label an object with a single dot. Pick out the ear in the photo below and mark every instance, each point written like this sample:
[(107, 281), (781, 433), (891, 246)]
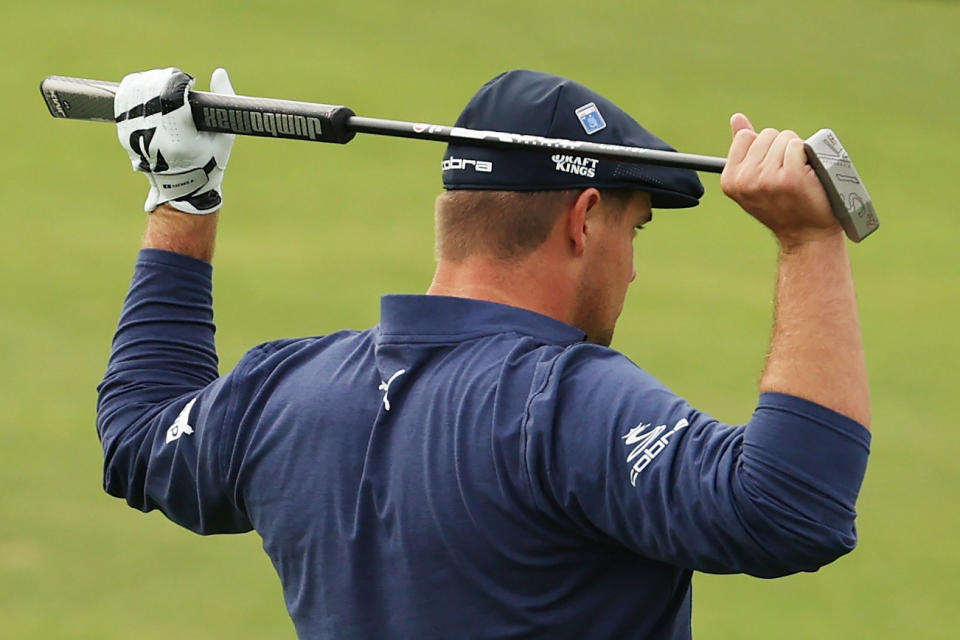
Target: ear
[(577, 217)]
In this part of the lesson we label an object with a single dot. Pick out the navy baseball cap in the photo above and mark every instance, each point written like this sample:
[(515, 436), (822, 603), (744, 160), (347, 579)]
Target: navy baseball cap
[(550, 106)]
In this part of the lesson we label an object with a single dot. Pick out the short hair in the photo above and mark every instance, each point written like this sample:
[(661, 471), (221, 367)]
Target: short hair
[(506, 225)]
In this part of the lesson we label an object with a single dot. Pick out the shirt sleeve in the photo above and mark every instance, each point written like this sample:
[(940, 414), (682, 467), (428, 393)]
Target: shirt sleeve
[(164, 417), (614, 454)]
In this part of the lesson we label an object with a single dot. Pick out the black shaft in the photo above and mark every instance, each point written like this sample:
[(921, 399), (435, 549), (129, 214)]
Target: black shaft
[(82, 99), (443, 133)]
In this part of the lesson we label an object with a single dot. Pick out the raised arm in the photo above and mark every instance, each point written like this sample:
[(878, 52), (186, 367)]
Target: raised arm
[(163, 413), (611, 449), (816, 350)]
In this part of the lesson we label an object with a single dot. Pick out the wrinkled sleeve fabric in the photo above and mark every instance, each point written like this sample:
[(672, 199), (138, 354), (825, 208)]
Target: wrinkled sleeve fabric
[(164, 416), (617, 456)]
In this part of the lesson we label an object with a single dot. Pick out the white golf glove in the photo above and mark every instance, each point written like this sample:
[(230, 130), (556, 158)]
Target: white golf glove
[(154, 124)]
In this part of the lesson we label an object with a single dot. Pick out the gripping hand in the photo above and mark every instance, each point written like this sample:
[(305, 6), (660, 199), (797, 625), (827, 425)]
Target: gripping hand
[(768, 175), (154, 124)]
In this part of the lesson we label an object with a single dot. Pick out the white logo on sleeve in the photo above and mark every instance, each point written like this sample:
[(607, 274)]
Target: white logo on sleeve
[(647, 445), (385, 387), (180, 425)]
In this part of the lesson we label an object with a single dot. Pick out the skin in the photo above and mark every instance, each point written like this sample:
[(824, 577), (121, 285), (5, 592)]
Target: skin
[(816, 349), (173, 230), (580, 274)]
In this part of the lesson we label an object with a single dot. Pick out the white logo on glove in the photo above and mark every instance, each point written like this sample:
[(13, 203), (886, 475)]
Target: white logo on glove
[(155, 126)]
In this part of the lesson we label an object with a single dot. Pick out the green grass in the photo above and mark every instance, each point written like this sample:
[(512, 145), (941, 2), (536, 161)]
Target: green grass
[(312, 234)]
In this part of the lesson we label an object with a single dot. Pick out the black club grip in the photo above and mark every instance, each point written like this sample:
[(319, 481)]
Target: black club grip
[(270, 118)]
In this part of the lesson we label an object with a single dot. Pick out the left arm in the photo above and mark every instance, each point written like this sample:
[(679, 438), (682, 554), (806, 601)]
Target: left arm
[(190, 235), (164, 417)]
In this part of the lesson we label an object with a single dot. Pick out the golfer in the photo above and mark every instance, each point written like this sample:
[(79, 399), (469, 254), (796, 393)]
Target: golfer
[(481, 464)]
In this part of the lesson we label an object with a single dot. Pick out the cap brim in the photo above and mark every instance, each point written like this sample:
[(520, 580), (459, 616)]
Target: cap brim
[(662, 199)]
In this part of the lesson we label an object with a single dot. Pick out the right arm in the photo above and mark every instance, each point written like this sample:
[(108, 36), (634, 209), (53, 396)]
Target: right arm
[(816, 350), (615, 454), (611, 449)]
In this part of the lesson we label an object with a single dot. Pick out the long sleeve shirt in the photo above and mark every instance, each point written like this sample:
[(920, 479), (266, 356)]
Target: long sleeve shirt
[(463, 468)]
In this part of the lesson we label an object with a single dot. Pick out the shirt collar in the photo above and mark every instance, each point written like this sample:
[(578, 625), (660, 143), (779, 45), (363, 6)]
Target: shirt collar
[(418, 316)]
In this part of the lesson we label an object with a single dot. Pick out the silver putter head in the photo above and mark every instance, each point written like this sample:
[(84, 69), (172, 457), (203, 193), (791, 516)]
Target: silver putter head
[(848, 197)]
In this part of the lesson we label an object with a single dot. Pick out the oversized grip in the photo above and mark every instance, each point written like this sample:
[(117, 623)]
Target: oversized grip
[(270, 118)]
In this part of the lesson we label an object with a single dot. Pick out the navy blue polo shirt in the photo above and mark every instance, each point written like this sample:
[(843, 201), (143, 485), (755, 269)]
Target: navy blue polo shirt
[(464, 468)]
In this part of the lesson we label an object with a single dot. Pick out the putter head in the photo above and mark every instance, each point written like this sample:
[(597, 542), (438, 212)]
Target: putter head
[(848, 197)]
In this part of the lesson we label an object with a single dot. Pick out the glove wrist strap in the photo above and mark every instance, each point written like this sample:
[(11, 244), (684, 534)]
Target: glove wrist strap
[(171, 186)]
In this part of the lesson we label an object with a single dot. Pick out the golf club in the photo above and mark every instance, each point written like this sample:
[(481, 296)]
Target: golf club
[(83, 99)]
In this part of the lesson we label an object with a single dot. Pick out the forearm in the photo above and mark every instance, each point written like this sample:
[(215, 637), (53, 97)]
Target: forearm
[(163, 413), (164, 344), (163, 350), (184, 233), (816, 350)]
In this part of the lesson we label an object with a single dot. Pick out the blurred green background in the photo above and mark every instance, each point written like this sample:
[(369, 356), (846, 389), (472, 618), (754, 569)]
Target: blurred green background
[(311, 235)]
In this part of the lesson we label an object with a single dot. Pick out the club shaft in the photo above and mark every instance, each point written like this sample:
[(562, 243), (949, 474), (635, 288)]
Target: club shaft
[(637, 155), (81, 99)]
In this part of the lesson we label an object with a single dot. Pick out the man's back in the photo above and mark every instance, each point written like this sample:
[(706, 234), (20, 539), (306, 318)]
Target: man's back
[(417, 520), (464, 467)]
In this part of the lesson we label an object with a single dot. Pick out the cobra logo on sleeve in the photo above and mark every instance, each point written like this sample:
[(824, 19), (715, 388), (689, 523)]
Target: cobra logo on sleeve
[(181, 425), (647, 444)]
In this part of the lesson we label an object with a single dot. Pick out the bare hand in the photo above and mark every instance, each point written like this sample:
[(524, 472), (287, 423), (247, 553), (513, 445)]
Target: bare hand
[(767, 174)]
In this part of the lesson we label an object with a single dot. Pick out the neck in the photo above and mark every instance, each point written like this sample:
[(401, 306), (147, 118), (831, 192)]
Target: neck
[(528, 284)]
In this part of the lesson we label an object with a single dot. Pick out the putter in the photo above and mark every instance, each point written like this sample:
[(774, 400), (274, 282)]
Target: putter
[(83, 99)]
